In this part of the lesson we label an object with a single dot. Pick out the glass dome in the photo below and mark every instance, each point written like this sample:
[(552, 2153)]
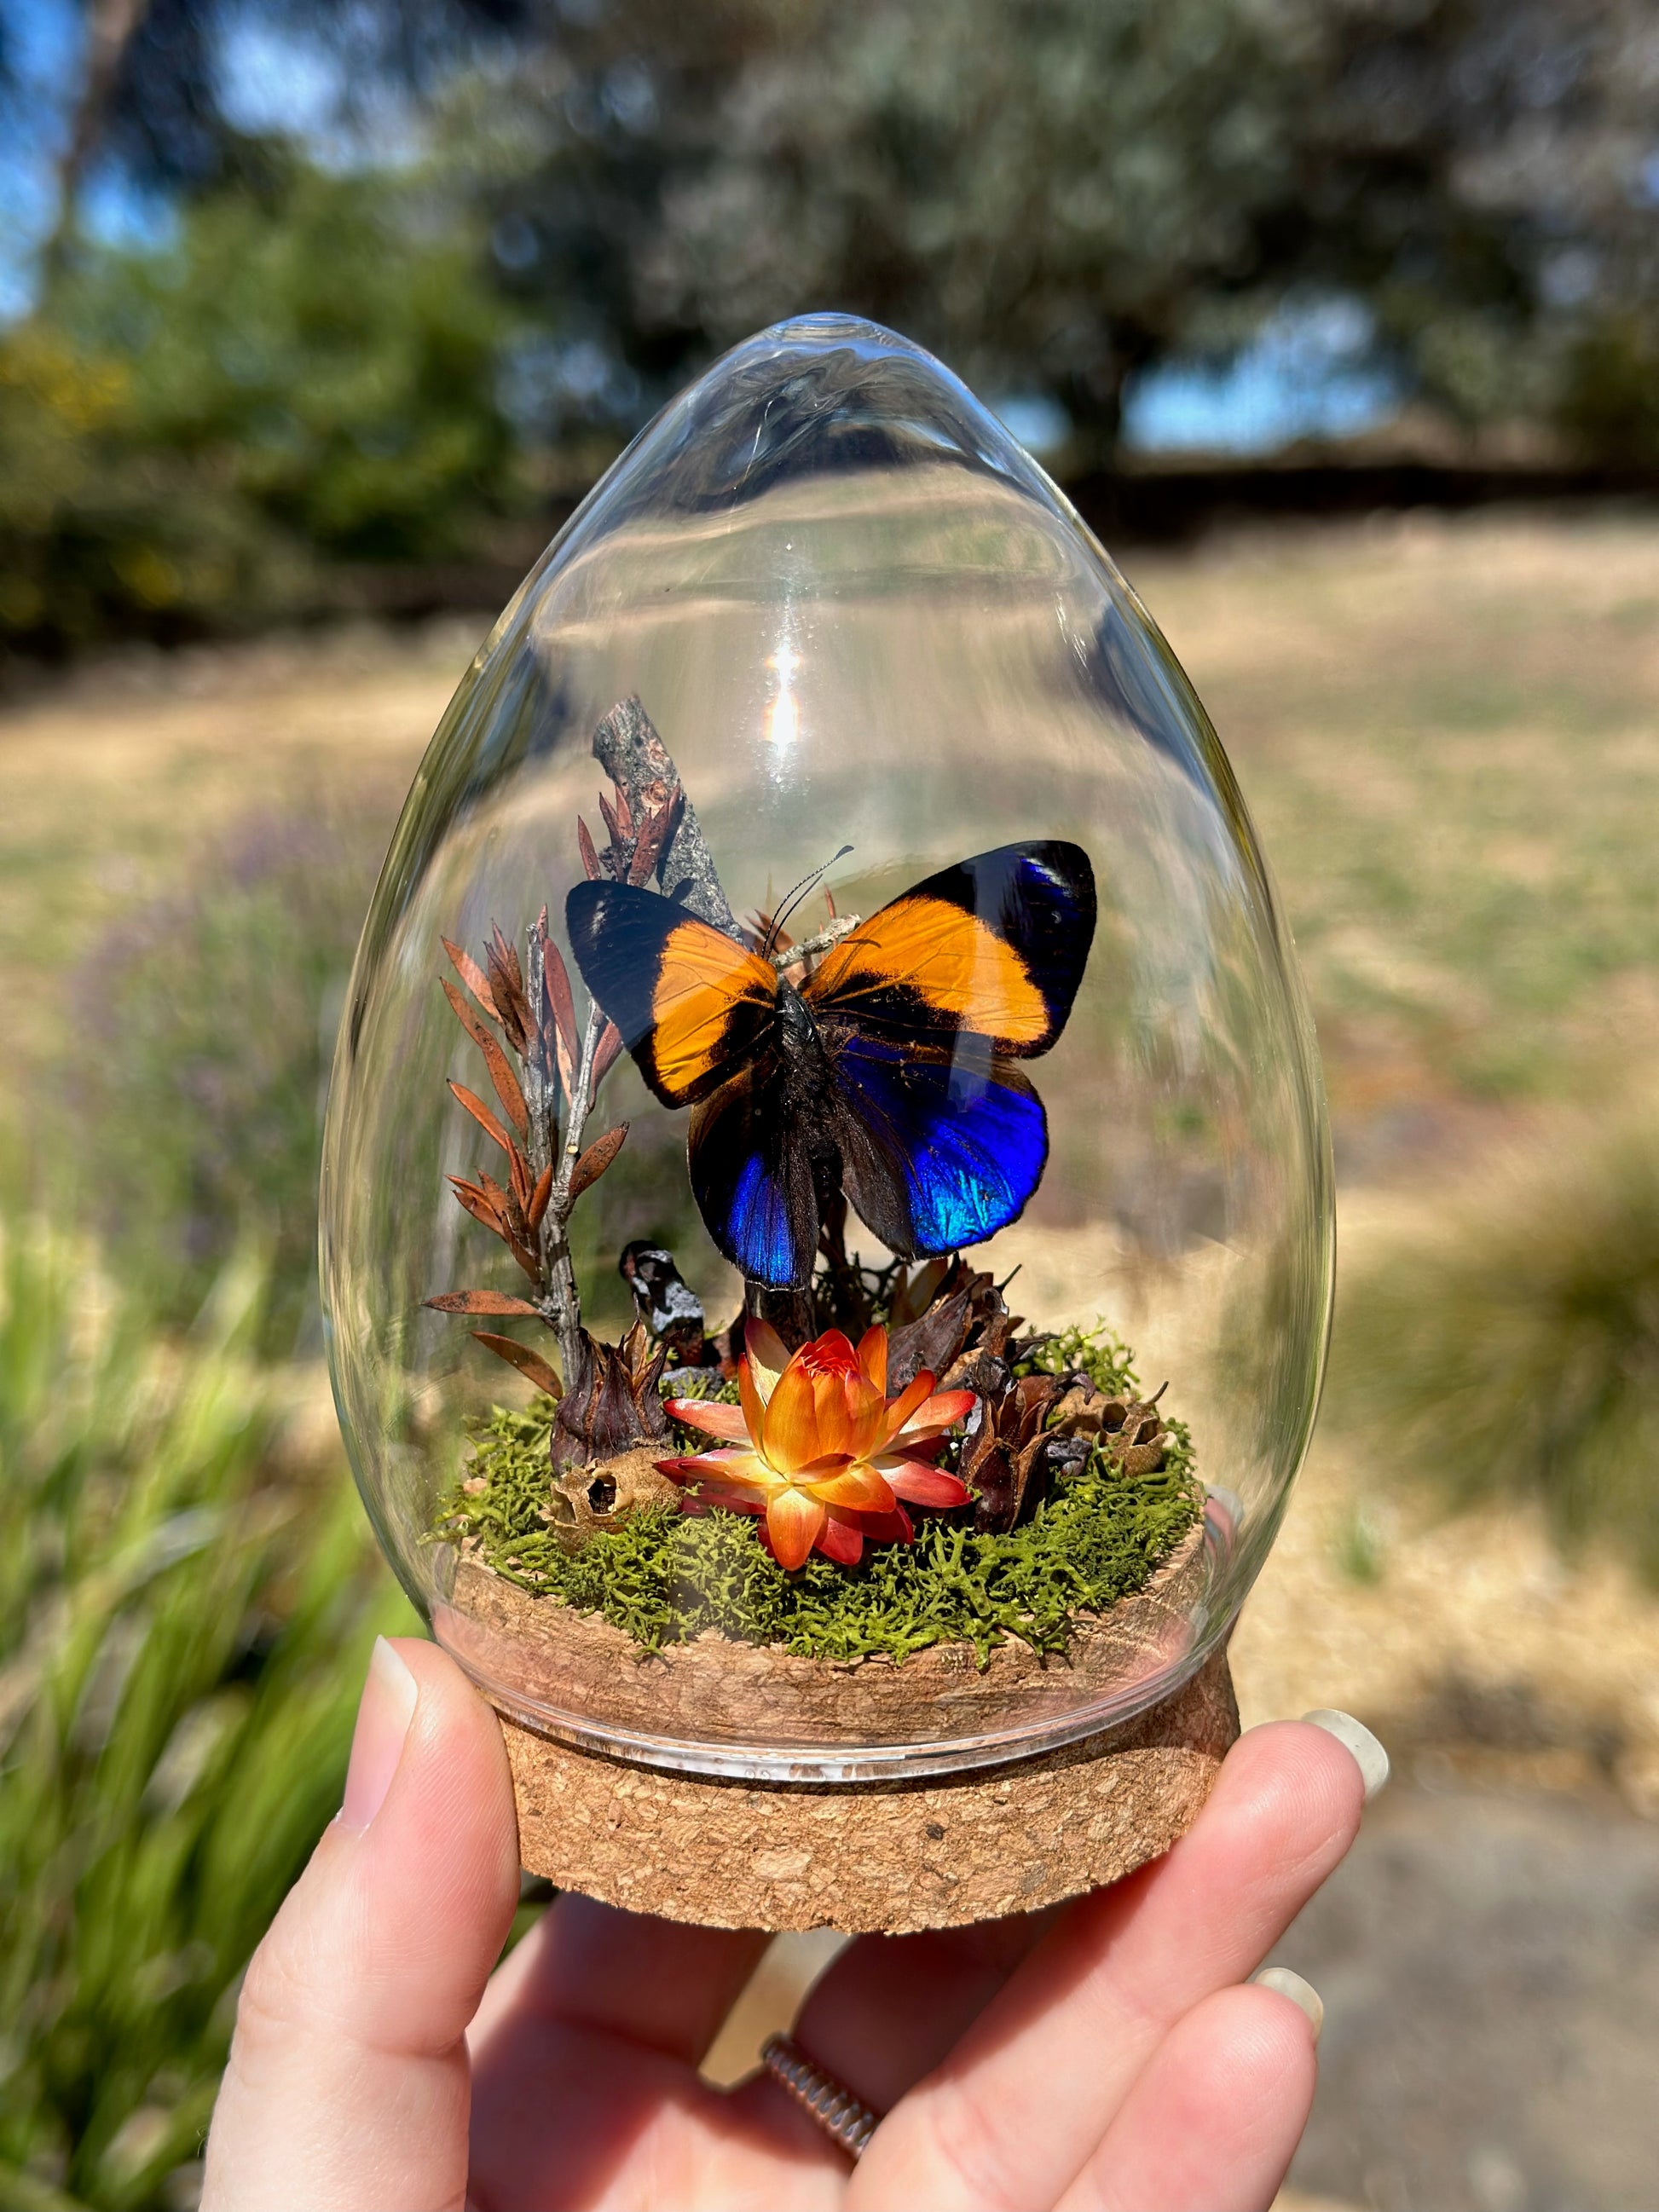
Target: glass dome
[(1019, 1096)]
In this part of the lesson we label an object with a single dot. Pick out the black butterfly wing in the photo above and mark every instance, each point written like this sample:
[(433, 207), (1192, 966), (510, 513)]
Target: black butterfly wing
[(690, 1002), (995, 946), (939, 1149), (751, 1175)]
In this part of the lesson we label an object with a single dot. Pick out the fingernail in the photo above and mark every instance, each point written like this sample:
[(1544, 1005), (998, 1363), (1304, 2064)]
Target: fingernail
[(390, 1696), (1300, 1992), (1369, 1755)]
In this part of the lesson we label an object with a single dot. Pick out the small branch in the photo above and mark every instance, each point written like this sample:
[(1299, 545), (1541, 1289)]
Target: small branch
[(563, 1296), (831, 934)]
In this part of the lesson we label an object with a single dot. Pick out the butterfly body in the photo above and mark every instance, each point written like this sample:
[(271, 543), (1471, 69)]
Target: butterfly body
[(889, 1072)]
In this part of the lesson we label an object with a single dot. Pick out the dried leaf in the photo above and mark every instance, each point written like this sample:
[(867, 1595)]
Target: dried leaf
[(512, 1214), (645, 852), (556, 980), (538, 1198), (507, 953), (501, 1072), (653, 838), (624, 812), (482, 1302), (591, 866), (518, 1171), (521, 1357), (612, 825), (481, 1114), (480, 1205), (596, 1158), (472, 975), (507, 983), (604, 1057)]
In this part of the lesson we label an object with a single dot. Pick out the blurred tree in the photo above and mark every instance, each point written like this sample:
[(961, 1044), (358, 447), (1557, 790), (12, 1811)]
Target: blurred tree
[(309, 371), (1054, 193), (536, 218)]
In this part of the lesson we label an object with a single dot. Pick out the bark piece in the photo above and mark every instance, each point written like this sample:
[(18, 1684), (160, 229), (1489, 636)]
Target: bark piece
[(628, 747)]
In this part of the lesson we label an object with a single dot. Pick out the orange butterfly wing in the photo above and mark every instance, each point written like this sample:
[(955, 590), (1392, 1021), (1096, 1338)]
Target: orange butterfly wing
[(690, 1002)]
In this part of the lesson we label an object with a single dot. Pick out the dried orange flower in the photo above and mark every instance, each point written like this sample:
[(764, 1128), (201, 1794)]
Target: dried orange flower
[(819, 1447)]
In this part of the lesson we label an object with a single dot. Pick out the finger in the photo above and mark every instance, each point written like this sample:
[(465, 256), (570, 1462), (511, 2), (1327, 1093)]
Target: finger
[(1014, 2112), (654, 1983), (348, 2079), (891, 2006), (585, 2084), (1213, 2119)]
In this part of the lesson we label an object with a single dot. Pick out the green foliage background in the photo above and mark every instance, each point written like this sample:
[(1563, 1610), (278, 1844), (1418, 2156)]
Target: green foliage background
[(183, 1632), (193, 439)]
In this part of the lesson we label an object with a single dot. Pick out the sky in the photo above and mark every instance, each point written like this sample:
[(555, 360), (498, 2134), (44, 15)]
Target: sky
[(1311, 372)]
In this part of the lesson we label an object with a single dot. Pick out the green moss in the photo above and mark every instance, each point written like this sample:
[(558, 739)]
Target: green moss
[(663, 1576), (1097, 1353)]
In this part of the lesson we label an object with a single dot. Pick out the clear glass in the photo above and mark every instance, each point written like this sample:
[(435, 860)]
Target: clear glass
[(859, 615)]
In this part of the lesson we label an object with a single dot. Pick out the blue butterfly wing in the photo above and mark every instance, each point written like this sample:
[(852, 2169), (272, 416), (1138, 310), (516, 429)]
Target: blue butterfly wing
[(939, 1149), (752, 1178)]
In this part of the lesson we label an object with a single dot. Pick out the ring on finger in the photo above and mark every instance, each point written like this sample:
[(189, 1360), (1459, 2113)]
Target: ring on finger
[(845, 2118)]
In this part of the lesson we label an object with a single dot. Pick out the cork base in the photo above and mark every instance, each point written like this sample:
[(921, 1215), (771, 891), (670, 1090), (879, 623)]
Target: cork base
[(886, 1857)]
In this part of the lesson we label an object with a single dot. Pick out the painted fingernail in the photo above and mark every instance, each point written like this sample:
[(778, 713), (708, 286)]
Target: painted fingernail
[(1287, 1984), (390, 1696), (1369, 1755)]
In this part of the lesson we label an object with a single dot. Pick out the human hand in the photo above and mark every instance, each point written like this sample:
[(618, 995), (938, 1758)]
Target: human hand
[(1109, 2053)]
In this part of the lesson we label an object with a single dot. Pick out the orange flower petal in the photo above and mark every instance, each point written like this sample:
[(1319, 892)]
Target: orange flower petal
[(894, 1527), (870, 1421), (766, 1355), (926, 1485), (752, 1401), (939, 1412), (713, 1418), (909, 1402), (872, 1356), (793, 1521), (733, 1465), (830, 1410), (791, 1438), (859, 1487), (832, 1353), (720, 1493), (841, 1540)]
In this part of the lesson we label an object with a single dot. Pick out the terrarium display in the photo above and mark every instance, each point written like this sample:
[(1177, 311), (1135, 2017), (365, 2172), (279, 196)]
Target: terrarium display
[(826, 1214)]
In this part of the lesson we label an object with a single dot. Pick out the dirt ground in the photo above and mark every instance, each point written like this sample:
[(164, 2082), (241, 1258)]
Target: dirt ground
[(1448, 733)]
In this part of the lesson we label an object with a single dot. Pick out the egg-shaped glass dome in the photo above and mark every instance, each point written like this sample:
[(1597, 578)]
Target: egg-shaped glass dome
[(827, 1215)]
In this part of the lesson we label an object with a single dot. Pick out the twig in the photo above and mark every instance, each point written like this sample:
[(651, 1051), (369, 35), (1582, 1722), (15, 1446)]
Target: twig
[(832, 933), (556, 1222)]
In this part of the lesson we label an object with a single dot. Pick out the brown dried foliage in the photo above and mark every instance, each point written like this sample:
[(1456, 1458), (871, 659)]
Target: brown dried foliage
[(614, 1403), (609, 1407)]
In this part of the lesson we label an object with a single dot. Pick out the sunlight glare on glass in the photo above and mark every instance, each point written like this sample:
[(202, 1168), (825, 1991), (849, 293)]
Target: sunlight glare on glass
[(783, 717)]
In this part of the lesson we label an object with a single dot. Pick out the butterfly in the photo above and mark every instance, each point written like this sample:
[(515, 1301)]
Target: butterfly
[(890, 1072)]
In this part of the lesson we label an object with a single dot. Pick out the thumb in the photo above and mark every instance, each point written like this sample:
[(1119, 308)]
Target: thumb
[(348, 2083)]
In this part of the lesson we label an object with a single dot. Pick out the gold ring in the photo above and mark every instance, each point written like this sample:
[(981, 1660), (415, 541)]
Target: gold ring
[(831, 2104)]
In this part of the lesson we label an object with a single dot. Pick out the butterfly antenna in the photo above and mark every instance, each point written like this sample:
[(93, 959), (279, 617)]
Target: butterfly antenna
[(795, 897)]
